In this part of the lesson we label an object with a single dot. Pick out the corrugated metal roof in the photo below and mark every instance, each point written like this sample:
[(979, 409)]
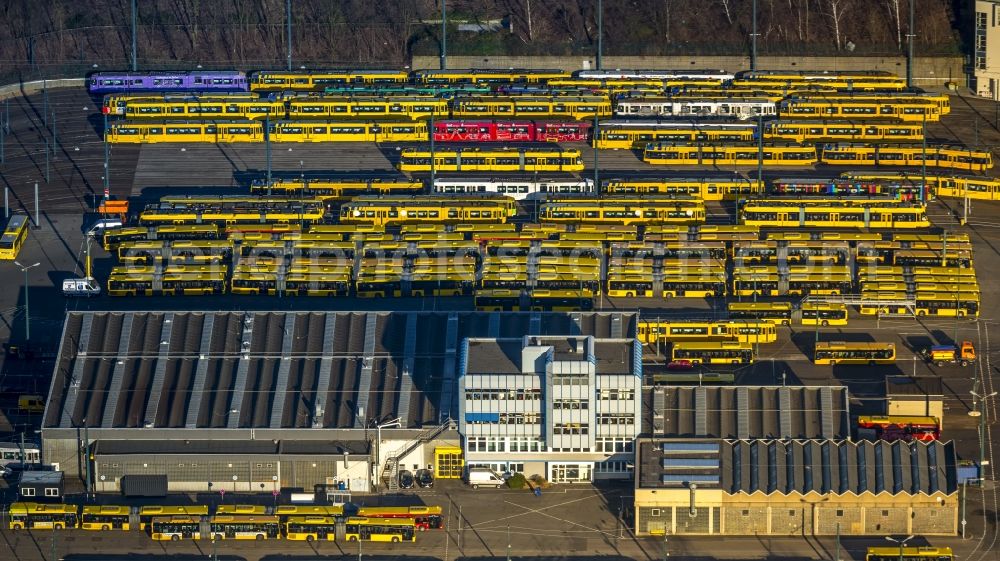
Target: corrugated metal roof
[(745, 412), (218, 370), (838, 466)]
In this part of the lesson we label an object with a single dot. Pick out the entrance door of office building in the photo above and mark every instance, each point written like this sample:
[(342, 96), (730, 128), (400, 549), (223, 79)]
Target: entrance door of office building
[(570, 473)]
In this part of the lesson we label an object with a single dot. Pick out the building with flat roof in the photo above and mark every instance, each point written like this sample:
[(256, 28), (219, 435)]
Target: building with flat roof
[(795, 487), (986, 55), (567, 408)]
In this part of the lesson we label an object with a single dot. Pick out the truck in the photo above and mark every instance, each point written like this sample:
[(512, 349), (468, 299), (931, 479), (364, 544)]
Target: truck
[(963, 354), (85, 287)]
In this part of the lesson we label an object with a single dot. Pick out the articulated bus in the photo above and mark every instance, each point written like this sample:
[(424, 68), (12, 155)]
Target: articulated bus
[(244, 527), (893, 553), (384, 211), (840, 352), (13, 236), (340, 107), (729, 154), (744, 331), (901, 427), (36, 516), (826, 213), (380, 530), (174, 528), (823, 313), (953, 157), (105, 517), (777, 313), (491, 160), (625, 211), (908, 110), (311, 528), (530, 106), (825, 131), (423, 517), (708, 189), (713, 352), (637, 134), (693, 378), (282, 80)]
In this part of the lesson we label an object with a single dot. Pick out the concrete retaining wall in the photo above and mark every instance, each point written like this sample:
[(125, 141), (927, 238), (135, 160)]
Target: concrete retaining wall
[(28, 88), (928, 71)]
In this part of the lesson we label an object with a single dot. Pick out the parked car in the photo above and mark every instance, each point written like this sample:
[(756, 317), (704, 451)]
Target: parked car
[(425, 478), (405, 479), (680, 364)]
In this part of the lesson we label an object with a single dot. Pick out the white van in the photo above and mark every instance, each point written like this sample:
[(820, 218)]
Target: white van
[(485, 477), (102, 225), (86, 287)]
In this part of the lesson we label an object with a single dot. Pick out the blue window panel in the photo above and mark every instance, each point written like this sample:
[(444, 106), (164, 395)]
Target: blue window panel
[(482, 417), (690, 462), (690, 478)]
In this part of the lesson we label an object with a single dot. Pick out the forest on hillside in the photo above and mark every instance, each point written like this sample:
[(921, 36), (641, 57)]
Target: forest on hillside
[(44, 37)]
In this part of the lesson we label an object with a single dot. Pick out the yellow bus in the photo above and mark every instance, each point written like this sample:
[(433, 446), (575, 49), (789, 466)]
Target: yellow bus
[(756, 284), (241, 509), (14, 235), (824, 313), (628, 285), (907, 110), (492, 160), (334, 106), (827, 213), (244, 527), (174, 528), (309, 80), (840, 352), (819, 284), (910, 155), (497, 300), (545, 300), (729, 154), (285, 512), (876, 302), (378, 286), (893, 553), (357, 528), (105, 517), (311, 528), (531, 106), (694, 283), (818, 131), (777, 313), (37, 516), (637, 134), (960, 258), (623, 211), (745, 331), (709, 189), (424, 517), (713, 352), (147, 513), (427, 209), (953, 304)]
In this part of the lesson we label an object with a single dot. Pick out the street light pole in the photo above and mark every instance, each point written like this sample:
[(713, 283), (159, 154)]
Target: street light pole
[(981, 413), (600, 32), (444, 45), (288, 18), (901, 543), (27, 308)]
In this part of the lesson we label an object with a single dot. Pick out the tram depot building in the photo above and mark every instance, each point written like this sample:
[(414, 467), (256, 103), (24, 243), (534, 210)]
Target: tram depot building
[(325, 401)]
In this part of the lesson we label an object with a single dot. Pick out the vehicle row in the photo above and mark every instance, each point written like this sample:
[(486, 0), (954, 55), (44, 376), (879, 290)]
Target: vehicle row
[(317, 80)]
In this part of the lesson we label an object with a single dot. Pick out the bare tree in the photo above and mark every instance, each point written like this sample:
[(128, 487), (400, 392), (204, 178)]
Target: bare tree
[(726, 9), (892, 7), (837, 8)]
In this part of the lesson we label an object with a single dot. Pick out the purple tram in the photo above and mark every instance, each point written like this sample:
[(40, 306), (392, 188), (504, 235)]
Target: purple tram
[(197, 81)]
